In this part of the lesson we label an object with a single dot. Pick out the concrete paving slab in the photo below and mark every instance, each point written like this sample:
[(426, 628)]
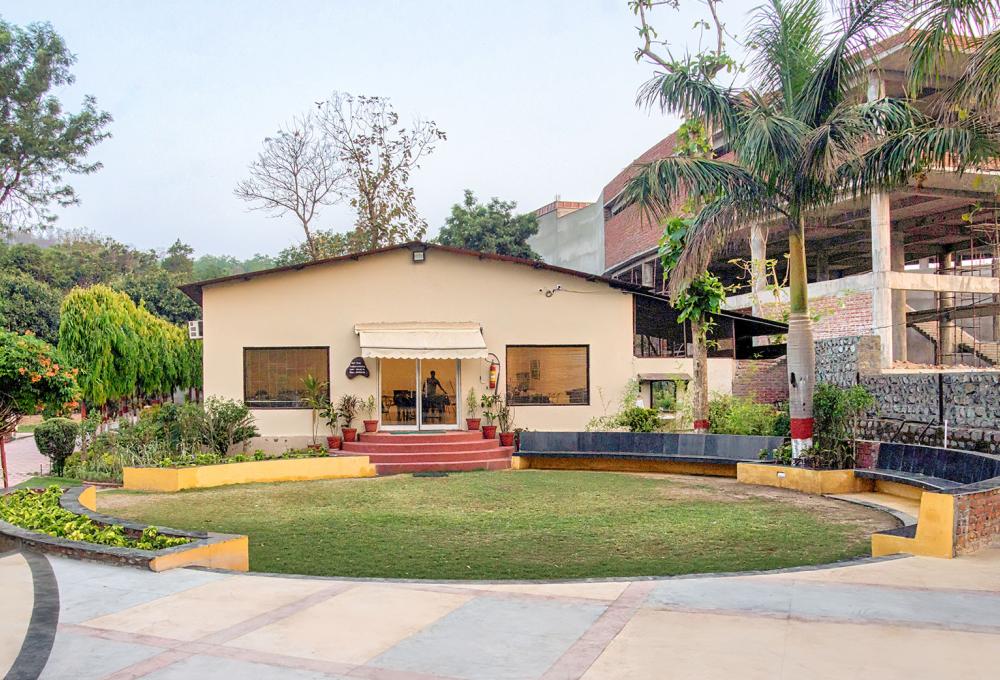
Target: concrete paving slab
[(209, 608), (606, 591), (979, 572), (494, 639), (354, 626), (79, 657), (17, 601), (214, 668), (811, 600), (656, 645)]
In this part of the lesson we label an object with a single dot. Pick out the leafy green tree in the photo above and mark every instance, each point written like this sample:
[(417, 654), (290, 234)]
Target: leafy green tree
[(217, 266), (324, 244), (802, 139), (34, 376), (29, 305), (489, 228), (178, 261), (39, 141), (157, 290)]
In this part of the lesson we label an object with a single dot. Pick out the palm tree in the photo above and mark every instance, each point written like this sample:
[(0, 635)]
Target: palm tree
[(944, 29), (804, 138)]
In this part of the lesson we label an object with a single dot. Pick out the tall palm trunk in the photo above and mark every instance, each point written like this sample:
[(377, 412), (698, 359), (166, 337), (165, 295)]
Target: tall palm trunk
[(699, 378), (801, 350)]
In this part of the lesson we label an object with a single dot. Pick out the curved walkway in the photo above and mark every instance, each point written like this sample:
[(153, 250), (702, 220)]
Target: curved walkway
[(901, 618)]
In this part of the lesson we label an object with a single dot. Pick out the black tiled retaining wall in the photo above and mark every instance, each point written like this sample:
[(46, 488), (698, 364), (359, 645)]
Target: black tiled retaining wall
[(650, 443)]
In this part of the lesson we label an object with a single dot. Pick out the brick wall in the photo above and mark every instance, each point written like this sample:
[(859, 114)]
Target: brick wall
[(839, 315), (977, 521), (763, 380)]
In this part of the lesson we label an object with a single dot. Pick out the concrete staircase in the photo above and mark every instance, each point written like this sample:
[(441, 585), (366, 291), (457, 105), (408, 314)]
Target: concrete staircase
[(438, 452), (964, 341)]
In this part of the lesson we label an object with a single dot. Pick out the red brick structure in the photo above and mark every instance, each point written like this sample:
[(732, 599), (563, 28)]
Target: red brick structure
[(626, 233), (977, 521), (763, 380)]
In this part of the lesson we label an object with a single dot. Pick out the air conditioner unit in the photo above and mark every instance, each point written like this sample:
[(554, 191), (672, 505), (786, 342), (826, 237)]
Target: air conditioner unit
[(196, 329)]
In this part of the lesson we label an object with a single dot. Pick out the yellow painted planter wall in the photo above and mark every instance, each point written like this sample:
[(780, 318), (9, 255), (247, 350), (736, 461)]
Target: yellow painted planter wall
[(935, 530), (802, 479), (205, 476)]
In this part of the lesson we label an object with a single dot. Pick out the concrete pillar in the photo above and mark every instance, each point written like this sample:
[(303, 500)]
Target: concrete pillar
[(995, 270), (882, 317), (822, 265), (758, 268), (897, 258), (946, 327), (881, 226)]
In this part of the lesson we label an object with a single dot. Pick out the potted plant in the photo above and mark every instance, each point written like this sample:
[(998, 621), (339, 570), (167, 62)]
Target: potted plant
[(505, 420), (471, 411), (331, 416), (315, 398), (347, 407), (369, 406), (488, 404)]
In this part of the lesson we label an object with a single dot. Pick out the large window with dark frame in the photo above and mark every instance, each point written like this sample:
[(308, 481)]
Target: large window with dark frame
[(274, 377), (541, 375)]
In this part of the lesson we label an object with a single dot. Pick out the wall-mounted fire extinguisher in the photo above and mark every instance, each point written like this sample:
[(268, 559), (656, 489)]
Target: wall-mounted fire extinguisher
[(494, 371)]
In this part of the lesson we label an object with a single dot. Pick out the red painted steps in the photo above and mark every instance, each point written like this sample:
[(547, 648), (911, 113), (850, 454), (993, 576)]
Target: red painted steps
[(443, 452)]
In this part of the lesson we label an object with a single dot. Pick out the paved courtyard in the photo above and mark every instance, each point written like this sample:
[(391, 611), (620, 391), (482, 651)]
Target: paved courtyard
[(902, 618)]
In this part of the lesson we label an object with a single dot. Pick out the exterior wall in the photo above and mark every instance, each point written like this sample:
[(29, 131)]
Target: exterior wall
[(763, 380), (627, 234), (320, 305), (923, 399), (843, 306), (977, 521), (573, 239)]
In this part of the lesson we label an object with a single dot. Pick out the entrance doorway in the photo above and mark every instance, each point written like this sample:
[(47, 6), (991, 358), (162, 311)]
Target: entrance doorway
[(420, 394)]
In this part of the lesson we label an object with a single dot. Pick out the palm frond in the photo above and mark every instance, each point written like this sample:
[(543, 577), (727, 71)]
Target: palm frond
[(787, 39), (715, 227), (771, 143), (842, 67), (979, 85), (899, 157), (848, 130), (684, 91), (943, 29), (658, 186)]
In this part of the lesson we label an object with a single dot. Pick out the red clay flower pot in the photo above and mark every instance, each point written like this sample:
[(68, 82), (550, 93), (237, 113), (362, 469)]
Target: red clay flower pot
[(371, 426), (472, 424), (350, 434), (333, 443), (489, 431), (506, 439)]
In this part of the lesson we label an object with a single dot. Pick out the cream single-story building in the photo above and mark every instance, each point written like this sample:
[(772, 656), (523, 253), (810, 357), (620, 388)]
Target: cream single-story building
[(418, 325)]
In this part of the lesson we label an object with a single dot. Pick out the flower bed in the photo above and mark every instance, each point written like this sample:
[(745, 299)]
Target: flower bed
[(41, 511), (67, 524)]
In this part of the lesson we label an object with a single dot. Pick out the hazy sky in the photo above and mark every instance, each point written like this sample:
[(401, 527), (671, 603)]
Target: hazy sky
[(537, 98)]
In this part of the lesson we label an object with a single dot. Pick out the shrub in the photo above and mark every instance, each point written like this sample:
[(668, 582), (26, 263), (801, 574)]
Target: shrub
[(637, 419), (739, 415), (56, 438), (41, 512), (227, 422), (837, 413)]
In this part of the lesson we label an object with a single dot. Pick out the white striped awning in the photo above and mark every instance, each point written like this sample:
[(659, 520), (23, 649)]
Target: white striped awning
[(422, 340)]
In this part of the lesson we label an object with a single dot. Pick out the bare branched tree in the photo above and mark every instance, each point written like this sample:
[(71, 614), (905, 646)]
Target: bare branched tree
[(378, 156), (297, 172)]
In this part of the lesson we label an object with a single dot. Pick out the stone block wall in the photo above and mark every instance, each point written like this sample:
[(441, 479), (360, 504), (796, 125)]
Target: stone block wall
[(972, 399), (912, 407), (977, 521)]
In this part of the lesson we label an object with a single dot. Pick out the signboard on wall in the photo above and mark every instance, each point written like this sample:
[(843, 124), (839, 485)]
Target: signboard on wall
[(357, 367)]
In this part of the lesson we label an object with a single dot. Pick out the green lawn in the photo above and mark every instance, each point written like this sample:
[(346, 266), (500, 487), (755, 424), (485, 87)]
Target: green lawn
[(27, 428), (525, 524), (41, 482)]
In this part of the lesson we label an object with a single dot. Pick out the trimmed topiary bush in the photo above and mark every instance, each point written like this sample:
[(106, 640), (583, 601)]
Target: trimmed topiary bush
[(56, 438)]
